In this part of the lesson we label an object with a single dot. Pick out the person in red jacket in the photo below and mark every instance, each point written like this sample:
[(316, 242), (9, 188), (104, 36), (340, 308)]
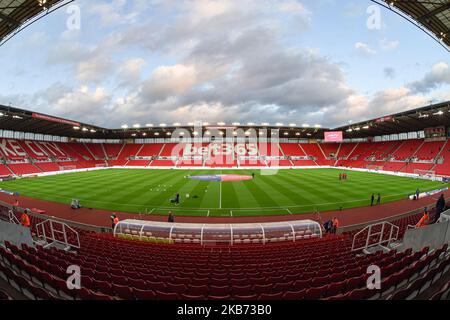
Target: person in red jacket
[(25, 220), (424, 220), (335, 225)]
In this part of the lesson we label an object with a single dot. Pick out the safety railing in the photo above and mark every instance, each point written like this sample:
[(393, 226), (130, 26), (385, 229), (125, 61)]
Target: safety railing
[(378, 234), (52, 231)]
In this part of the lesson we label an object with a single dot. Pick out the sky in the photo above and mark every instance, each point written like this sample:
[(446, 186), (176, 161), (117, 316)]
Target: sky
[(327, 62)]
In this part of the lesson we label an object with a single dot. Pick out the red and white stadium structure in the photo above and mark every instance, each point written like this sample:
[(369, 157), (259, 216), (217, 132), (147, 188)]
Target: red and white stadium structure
[(410, 142), (292, 265)]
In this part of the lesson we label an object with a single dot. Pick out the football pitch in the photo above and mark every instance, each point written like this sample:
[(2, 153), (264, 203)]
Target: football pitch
[(285, 192)]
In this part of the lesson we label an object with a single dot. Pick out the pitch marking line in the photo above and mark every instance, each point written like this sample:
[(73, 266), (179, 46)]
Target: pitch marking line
[(220, 196), (205, 209)]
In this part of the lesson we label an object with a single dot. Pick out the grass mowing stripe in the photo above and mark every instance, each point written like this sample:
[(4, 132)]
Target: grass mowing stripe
[(299, 190)]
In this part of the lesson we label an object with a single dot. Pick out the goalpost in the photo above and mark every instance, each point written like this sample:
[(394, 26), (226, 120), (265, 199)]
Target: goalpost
[(374, 167), (67, 168), (425, 174)]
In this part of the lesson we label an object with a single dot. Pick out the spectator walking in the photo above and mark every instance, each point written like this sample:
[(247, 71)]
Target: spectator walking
[(171, 218), (440, 206)]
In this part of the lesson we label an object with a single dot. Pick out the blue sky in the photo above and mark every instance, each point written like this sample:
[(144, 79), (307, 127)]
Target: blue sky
[(167, 61)]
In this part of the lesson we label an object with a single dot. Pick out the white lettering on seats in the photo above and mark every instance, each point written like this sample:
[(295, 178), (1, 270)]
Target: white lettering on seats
[(34, 148), (6, 151), (16, 148), (53, 149)]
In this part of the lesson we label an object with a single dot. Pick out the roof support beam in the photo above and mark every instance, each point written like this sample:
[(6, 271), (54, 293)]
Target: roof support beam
[(9, 19), (434, 12)]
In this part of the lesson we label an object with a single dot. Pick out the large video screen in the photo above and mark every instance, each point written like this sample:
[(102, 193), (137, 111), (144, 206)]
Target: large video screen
[(334, 136)]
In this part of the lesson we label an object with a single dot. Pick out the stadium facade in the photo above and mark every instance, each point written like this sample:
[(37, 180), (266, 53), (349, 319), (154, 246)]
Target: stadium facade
[(406, 252)]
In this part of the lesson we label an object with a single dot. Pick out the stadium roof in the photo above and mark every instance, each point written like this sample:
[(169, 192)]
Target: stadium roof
[(15, 119), (15, 15), (431, 116), (414, 120), (432, 16)]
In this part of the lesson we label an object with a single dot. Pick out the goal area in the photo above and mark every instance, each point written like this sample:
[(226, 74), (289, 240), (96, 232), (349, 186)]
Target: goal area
[(67, 168), (425, 174)]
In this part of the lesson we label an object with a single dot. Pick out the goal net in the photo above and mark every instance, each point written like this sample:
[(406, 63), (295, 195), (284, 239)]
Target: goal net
[(425, 174), (66, 168)]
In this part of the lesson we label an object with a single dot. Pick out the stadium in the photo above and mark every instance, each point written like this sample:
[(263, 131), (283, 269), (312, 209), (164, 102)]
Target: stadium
[(225, 211)]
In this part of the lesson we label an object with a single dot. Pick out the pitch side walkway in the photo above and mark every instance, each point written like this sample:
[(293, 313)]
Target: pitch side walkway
[(348, 217)]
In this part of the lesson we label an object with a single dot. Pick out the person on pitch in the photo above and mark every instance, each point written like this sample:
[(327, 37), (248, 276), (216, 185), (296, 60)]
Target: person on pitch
[(372, 200)]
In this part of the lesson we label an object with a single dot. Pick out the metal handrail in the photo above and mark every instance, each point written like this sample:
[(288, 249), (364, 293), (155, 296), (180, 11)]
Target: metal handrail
[(42, 233), (12, 217), (393, 235)]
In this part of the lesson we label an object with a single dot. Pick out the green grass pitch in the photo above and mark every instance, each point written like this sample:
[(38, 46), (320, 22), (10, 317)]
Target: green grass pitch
[(286, 192)]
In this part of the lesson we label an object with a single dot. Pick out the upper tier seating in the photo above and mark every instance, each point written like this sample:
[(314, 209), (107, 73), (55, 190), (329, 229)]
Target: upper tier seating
[(150, 150), (113, 150), (330, 149), (292, 150), (96, 150), (429, 150), (314, 150), (129, 150), (407, 149)]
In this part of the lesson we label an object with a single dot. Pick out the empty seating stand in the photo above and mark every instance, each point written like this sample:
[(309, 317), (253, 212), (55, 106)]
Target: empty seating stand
[(31, 157), (315, 269)]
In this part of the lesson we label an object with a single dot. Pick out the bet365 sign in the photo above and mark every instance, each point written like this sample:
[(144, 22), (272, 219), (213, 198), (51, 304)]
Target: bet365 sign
[(227, 149)]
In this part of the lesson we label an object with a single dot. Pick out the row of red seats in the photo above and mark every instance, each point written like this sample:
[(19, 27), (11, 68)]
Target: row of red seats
[(52, 156), (398, 271)]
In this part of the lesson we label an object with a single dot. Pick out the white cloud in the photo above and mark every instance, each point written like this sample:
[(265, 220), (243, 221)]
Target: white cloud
[(112, 13), (167, 81), (130, 71), (364, 49), (94, 69), (215, 61), (438, 76)]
